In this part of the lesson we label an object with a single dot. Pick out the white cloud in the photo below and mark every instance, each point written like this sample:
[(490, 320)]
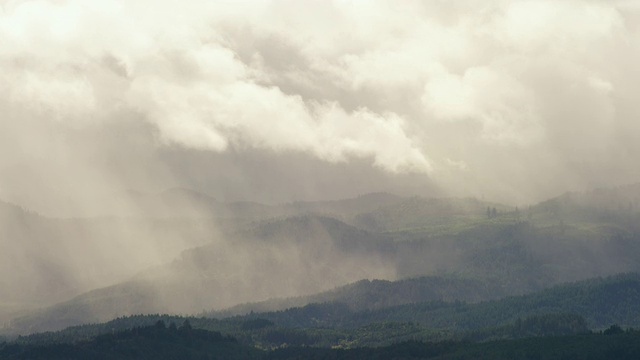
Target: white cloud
[(503, 106), (54, 94), (185, 80), (533, 25), (397, 84)]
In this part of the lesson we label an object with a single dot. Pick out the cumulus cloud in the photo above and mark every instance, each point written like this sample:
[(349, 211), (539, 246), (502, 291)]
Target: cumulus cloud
[(182, 77), (416, 87)]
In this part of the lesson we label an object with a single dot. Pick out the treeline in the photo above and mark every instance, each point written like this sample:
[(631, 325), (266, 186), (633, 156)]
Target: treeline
[(566, 309), (158, 341), (86, 332), (171, 342), (266, 334)]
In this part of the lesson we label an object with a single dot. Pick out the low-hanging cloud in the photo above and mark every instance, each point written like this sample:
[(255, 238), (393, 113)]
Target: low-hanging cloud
[(449, 89)]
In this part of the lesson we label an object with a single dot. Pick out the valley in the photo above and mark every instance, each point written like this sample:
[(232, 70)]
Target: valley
[(370, 271)]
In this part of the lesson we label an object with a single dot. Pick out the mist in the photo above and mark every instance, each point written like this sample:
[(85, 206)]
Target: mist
[(108, 107)]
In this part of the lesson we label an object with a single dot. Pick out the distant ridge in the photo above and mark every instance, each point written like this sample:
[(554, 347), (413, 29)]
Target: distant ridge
[(378, 294), (262, 252), (601, 301)]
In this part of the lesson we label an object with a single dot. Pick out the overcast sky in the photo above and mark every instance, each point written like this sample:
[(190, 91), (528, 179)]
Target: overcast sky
[(272, 101)]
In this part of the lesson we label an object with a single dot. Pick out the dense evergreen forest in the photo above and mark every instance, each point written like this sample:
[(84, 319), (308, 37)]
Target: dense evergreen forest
[(562, 318), (171, 342)]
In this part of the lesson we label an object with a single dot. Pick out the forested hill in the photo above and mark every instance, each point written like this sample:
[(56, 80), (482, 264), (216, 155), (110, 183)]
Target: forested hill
[(161, 342), (147, 342), (461, 249), (565, 309), (377, 294), (509, 256), (600, 301), (312, 253)]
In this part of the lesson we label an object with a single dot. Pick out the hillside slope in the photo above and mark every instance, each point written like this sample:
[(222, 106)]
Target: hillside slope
[(601, 302), (516, 251)]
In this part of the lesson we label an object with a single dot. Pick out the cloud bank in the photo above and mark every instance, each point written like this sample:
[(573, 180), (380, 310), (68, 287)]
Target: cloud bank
[(509, 99)]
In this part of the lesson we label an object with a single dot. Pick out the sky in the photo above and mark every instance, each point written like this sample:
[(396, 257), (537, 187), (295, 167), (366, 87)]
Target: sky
[(283, 100)]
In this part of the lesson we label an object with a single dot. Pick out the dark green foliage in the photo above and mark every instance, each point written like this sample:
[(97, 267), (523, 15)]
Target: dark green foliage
[(254, 324), (86, 332), (377, 294), (151, 342), (567, 309), (405, 350), (588, 346), (158, 342), (613, 330), (601, 302), (550, 324), (537, 325)]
